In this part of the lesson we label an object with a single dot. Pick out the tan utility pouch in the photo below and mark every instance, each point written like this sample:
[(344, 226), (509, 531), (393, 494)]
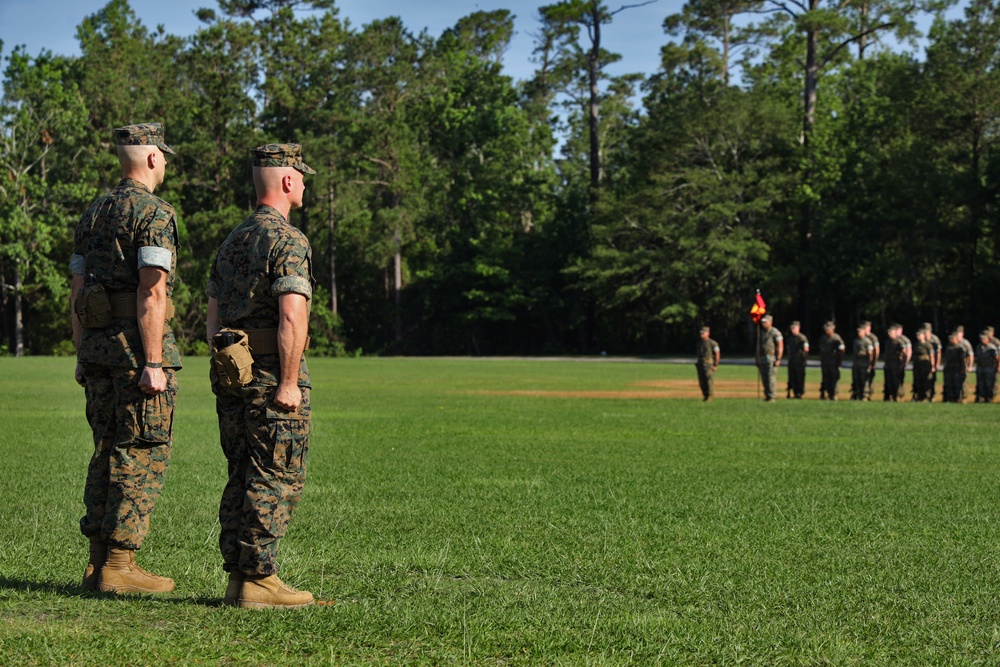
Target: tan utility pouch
[(231, 358), (93, 308)]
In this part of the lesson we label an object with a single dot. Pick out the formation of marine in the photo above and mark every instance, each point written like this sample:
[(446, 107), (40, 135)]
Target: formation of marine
[(925, 357)]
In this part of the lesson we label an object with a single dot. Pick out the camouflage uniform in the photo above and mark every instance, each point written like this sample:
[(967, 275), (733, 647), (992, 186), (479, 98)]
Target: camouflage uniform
[(706, 366), (986, 371), (876, 351), (123, 231), (895, 367), (863, 350), (831, 350), (970, 354), (265, 446), (938, 350), (797, 351), (767, 354), (955, 370), (923, 352)]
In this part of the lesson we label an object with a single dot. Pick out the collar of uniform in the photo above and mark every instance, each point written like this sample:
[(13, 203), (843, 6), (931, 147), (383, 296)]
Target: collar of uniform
[(135, 183), (264, 208)]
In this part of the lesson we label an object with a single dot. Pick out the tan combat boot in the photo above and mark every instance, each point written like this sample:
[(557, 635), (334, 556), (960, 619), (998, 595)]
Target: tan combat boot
[(269, 592), (121, 574), (98, 554), (236, 579)]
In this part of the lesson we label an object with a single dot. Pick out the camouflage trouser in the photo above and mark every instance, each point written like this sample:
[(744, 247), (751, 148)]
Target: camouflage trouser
[(797, 379), (706, 379), (859, 382), (768, 376), (870, 383), (986, 378), (922, 381), (132, 435), (831, 376), (894, 379), (932, 386), (954, 384), (266, 448)]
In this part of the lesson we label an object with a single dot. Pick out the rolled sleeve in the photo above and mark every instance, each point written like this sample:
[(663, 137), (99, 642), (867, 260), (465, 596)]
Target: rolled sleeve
[(212, 289), (77, 264), (158, 258), (288, 284)]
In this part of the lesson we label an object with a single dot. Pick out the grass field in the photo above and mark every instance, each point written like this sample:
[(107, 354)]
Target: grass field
[(518, 512)]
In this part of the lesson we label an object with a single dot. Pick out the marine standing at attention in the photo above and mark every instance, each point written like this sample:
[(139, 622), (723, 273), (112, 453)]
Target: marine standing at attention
[(938, 351), (770, 347), (797, 349), (707, 363), (876, 352), (259, 293), (955, 369), (124, 262), (898, 351), (864, 353), (987, 358), (923, 356), (831, 356)]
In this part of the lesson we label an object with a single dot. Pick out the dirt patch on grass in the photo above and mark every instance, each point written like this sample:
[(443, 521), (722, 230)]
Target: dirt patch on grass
[(661, 389)]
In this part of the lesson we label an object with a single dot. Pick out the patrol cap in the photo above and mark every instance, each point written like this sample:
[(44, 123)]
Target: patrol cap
[(143, 134), (829, 324), (795, 323), (704, 330), (767, 318), (281, 155), (864, 323), (986, 333), (927, 325), (959, 329)]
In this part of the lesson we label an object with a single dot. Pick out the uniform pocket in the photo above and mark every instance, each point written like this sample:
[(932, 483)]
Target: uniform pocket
[(156, 414), (291, 435)]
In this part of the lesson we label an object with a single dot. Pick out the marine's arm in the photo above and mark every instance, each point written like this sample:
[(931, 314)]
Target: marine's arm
[(151, 310), (78, 283), (212, 324), (781, 352), (293, 327)]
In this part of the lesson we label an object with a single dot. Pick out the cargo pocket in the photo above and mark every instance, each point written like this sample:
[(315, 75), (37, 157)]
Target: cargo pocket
[(291, 435), (157, 415)]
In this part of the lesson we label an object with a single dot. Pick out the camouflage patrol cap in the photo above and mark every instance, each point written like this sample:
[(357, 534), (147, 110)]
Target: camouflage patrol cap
[(767, 318), (704, 330), (281, 155), (143, 134), (795, 323), (986, 333), (829, 324)]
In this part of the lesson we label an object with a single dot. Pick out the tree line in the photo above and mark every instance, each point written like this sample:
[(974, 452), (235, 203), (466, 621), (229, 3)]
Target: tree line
[(811, 149)]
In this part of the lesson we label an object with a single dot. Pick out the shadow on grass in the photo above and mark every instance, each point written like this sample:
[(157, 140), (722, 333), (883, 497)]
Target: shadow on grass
[(75, 591)]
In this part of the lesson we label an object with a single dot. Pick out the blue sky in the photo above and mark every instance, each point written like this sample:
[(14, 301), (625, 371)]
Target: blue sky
[(636, 34)]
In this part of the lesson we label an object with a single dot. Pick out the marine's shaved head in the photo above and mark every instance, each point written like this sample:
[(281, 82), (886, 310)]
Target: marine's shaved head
[(279, 187), (145, 164)]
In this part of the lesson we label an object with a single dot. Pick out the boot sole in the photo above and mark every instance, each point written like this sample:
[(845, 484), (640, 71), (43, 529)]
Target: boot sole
[(248, 604), (105, 588)]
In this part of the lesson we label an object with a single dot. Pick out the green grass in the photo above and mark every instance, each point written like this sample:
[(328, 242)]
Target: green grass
[(455, 527)]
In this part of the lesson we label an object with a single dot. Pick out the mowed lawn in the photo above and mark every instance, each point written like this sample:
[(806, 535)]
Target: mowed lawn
[(532, 512)]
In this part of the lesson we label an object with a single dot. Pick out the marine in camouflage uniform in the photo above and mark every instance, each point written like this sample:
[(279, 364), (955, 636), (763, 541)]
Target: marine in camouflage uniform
[(770, 347), (938, 350), (923, 360), (259, 266), (797, 350), (831, 354), (987, 358), (898, 350), (955, 369), (863, 355), (708, 355), (126, 242), (970, 354), (876, 352)]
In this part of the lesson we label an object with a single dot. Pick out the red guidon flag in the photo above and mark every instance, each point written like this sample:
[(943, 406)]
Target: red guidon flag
[(758, 309)]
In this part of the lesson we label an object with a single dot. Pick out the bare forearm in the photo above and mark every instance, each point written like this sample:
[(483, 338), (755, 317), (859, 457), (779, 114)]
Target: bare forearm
[(293, 326), (212, 323)]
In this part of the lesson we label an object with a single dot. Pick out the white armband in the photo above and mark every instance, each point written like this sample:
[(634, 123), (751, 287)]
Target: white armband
[(156, 257)]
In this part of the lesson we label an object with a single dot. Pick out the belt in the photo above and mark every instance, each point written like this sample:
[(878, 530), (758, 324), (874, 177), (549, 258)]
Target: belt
[(264, 341), (123, 304)]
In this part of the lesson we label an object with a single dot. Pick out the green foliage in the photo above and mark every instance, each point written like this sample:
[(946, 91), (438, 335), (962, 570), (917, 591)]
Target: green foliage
[(779, 146)]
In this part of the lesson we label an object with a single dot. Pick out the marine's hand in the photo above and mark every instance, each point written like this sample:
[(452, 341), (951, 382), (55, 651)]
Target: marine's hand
[(80, 380), (153, 381), (288, 397)]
